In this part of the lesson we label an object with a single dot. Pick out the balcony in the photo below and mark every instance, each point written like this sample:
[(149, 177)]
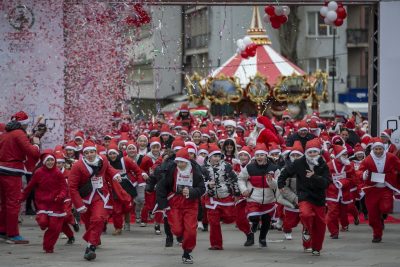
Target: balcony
[(357, 81), (357, 37), (196, 42)]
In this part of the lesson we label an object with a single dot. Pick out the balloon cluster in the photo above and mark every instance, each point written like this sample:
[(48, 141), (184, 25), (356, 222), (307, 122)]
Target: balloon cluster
[(276, 15), (139, 16), (246, 47), (333, 13)]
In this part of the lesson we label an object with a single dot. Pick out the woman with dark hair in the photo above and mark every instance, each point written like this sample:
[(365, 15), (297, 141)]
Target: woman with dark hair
[(229, 150)]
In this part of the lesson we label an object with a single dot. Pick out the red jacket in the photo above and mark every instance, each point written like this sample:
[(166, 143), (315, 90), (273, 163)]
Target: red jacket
[(50, 191), (14, 150), (79, 176), (339, 188), (266, 136), (146, 164), (132, 170)]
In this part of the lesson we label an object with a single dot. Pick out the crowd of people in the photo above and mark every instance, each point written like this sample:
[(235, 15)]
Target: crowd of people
[(188, 173)]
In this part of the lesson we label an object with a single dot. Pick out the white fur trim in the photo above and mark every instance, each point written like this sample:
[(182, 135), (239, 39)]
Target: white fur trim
[(245, 152), (112, 150), (177, 147), (203, 151), (214, 152), (24, 122), (260, 126), (230, 123), (48, 157), (261, 152), (377, 144), (274, 151), (89, 148), (313, 149), (385, 134), (192, 150), (81, 208), (302, 129), (341, 153), (182, 159), (70, 147), (155, 143)]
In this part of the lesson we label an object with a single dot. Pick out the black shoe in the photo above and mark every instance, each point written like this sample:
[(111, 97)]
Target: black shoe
[(90, 253), (75, 227), (357, 220), (250, 240), (169, 241), (187, 258), (205, 226), (30, 212), (179, 239), (70, 241), (377, 240), (157, 229), (263, 243), (335, 236), (315, 253)]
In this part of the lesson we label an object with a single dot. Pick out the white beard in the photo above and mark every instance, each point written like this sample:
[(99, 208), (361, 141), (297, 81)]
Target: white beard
[(313, 160), (345, 161)]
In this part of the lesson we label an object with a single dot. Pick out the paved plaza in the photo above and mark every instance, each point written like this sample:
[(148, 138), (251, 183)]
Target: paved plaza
[(141, 248)]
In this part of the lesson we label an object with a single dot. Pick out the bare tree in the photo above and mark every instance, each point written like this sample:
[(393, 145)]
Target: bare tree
[(288, 35)]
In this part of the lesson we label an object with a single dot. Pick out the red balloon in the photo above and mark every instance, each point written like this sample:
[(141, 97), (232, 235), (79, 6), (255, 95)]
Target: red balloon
[(270, 10), (341, 12), (283, 19), (244, 54), (252, 53), (338, 22), (274, 18), (275, 24)]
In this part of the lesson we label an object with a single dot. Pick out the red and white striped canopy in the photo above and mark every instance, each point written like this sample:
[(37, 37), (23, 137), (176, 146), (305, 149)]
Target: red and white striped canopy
[(267, 63)]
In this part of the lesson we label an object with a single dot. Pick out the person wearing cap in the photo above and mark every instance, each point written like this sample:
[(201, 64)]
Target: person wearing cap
[(288, 198), (180, 190), (89, 182), (166, 137), (338, 195), (303, 135), (312, 179), (264, 133), (222, 188), (230, 128), (257, 182), (15, 147), (50, 193), (353, 137), (142, 142), (379, 173), (386, 136), (185, 117)]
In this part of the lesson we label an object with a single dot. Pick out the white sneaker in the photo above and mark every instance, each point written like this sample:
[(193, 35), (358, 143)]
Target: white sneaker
[(288, 236), (278, 224), (63, 236), (143, 224), (200, 226), (308, 250)]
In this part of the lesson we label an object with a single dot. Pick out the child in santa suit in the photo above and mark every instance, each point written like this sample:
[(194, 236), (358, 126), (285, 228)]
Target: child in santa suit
[(181, 189), (90, 193), (338, 194), (245, 155), (50, 192), (257, 182), (358, 201), (69, 218), (124, 165), (312, 179), (222, 188), (379, 175), (288, 197)]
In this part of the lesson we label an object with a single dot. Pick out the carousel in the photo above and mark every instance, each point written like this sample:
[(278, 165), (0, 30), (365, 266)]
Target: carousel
[(253, 84)]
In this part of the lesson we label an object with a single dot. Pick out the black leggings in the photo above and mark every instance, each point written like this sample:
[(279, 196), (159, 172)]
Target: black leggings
[(167, 228), (30, 200), (265, 224)]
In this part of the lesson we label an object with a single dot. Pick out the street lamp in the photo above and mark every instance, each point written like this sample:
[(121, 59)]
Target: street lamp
[(333, 72)]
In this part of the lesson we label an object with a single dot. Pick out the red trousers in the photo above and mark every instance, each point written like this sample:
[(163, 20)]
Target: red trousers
[(279, 211), (148, 207), (215, 216), (94, 219), (203, 206), (241, 219), (379, 201), (291, 219), (68, 220), (10, 194), (313, 220), (53, 226), (352, 210), (183, 223), (336, 211), (119, 210)]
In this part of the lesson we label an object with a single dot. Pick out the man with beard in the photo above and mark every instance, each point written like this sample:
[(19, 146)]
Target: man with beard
[(230, 128), (312, 180)]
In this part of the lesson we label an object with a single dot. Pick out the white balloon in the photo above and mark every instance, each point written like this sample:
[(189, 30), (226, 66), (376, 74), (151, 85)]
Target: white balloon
[(279, 10), (240, 44), (238, 51), (286, 10), (332, 5), (247, 40), (332, 15), (266, 18), (323, 11), (327, 21)]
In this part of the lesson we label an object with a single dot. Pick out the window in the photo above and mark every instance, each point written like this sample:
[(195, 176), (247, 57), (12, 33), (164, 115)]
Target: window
[(323, 64), (197, 63), (316, 25), (141, 74), (196, 29)]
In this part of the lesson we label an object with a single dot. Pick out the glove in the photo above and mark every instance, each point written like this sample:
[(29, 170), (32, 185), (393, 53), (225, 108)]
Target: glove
[(365, 175)]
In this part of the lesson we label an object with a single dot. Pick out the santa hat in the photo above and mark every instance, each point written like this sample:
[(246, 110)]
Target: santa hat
[(178, 125), (203, 148), (89, 145), (387, 133), (58, 148), (195, 130), (260, 149), (274, 148), (313, 145), (229, 123), (59, 156), (205, 133), (131, 143), (21, 117), (124, 138), (286, 151), (182, 155), (191, 147), (313, 125), (108, 136), (358, 149), (350, 125), (366, 140), (376, 141), (112, 148), (184, 108), (286, 114), (155, 141), (297, 148), (144, 136), (338, 151), (101, 150), (185, 130), (262, 122), (213, 149), (303, 126), (241, 126), (47, 154), (178, 143), (217, 121), (315, 115), (71, 145), (246, 150), (79, 135), (165, 130), (336, 139)]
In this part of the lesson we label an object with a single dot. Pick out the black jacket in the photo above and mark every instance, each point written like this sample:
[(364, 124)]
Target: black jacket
[(308, 189), (166, 183), (294, 137)]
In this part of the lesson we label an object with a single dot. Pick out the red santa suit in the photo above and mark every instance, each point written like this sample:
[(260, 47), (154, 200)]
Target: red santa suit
[(96, 199), (14, 149), (338, 194), (50, 192), (380, 181)]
